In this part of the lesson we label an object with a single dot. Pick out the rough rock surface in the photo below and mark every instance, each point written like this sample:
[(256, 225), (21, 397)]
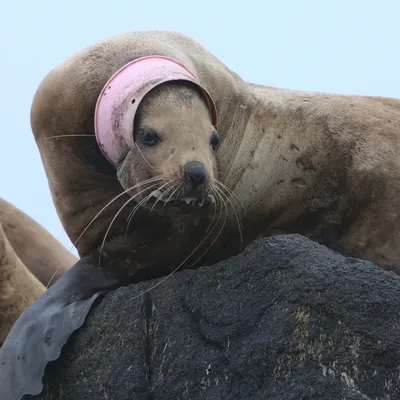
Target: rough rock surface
[(287, 319)]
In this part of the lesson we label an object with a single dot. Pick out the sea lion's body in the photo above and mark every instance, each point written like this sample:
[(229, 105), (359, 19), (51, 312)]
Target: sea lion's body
[(29, 257), (325, 166), (37, 248), (19, 288), (322, 165)]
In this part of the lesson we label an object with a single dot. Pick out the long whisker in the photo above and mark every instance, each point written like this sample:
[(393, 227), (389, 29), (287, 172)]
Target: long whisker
[(236, 215), (219, 199), (116, 215), (177, 268), (223, 186), (162, 194), (215, 208), (97, 215), (215, 204), (109, 227), (132, 213), (147, 199), (144, 158), (60, 136), (151, 180), (170, 274), (168, 190), (215, 239), (141, 203), (172, 194)]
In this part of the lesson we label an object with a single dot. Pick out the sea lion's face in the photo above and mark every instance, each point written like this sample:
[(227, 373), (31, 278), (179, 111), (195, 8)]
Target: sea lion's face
[(173, 160)]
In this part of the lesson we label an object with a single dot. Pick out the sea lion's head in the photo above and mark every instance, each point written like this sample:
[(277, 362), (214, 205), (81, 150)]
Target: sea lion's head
[(157, 125), (175, 141)]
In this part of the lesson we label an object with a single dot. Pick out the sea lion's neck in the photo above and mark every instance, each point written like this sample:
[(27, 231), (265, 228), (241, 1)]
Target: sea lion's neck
[(275, 153)]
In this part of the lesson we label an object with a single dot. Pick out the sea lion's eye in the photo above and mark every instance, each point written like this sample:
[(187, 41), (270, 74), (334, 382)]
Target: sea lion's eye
[(215, 140), (148, 137)]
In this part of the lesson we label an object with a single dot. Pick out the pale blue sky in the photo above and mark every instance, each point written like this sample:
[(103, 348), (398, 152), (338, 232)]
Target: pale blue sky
[(333, 46)]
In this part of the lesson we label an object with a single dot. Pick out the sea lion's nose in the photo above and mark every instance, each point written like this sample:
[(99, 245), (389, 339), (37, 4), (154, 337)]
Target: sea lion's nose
[(195, 172)]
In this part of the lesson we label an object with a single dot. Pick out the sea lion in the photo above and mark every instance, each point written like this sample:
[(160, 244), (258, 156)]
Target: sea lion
[(37, 248), (255, 160), (19, 288), (30, 259)]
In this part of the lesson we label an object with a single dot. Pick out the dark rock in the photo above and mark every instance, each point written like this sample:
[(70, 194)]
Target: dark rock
[(287, 319)]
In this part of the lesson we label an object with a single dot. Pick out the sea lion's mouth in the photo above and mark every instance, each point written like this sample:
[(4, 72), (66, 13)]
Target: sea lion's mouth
[(198, 201)]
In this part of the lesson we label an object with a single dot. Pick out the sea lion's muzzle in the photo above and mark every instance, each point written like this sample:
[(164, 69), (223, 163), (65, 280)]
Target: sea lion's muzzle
[(195, 176), (195, 173)]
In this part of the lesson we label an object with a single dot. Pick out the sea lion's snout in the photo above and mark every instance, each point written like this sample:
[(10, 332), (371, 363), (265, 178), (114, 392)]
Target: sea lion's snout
[(195, 175), (195, 180)]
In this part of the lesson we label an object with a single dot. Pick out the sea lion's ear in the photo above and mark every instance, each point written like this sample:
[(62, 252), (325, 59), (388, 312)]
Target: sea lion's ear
[(120, 98)]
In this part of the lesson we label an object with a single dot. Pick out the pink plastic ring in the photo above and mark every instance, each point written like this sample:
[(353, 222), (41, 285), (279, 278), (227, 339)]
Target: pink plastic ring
[(119, 100)]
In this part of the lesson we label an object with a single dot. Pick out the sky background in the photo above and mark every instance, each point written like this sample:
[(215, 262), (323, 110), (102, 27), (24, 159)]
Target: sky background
[(349, 47)]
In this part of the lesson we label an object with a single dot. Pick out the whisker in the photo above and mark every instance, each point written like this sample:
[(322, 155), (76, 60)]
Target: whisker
[(132, 213), (151, 180), (97, 215), (176, 269), (116, 215), (147, 199), (236, 215), (215, 205), (162, 194), (144, 158), (166, 191), (109, 227), (219, 196), (172, 194), (129, 218), (60, 136), (223, 186), (141, 203), (215, 208), (216, 238), (222, 204)]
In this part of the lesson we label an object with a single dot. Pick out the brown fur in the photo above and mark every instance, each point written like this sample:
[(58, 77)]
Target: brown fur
[(190, 141), (29, 256), (18, 286), (38, 250), (322, 165)]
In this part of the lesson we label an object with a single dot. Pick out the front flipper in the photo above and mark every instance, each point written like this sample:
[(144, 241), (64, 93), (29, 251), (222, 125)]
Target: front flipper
[(41, 331)]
